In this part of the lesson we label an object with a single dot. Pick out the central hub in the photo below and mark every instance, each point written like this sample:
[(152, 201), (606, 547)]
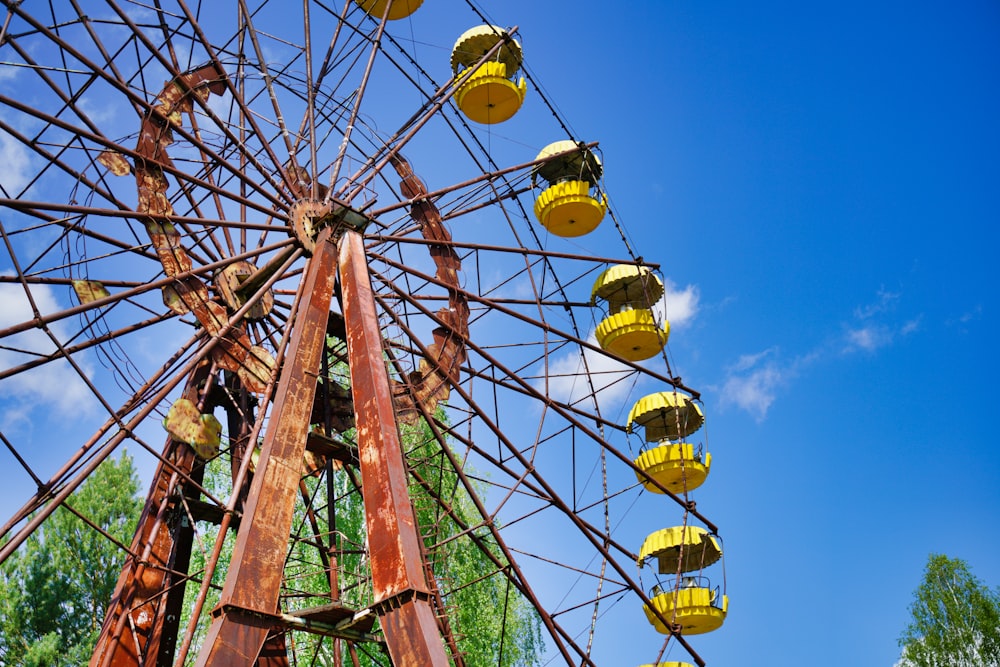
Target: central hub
[(308, 216)]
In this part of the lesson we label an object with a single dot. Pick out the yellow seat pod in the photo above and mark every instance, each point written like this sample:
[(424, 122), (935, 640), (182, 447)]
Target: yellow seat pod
[(672, 663), (692, 609), (186, 423), (630, 331), (568, 207), (632, 335), (680, 549), (665, 415), (489, 95), (400, 8), (675, 466)]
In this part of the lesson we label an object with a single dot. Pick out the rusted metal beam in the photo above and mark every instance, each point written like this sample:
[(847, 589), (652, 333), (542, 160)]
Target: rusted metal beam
[(401, 591), (485, 177), (141, 622), (250, 595), (511, 249)]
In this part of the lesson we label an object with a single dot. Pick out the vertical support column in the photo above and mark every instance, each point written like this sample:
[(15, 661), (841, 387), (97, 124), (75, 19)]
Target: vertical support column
[(141, 623), (250, 595), (401, 593)]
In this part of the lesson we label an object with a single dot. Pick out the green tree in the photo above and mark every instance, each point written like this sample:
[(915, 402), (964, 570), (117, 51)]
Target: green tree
[(495, 626), (955, 619), (55, 589), (494, 623)]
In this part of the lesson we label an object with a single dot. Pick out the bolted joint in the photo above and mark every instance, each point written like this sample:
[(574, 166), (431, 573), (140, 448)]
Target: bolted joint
[(399, 599), (308, 217)]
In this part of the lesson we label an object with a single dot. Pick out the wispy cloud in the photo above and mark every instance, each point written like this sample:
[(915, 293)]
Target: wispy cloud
[(868, 338), (874, 328), (754, 382), (15, 163), (678, 306), (963, 321), (884, 302), (574, 376), (52, 385)]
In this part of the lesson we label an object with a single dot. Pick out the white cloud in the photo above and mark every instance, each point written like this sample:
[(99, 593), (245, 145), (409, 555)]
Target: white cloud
[(752, 382), (966, 318), (15, 165), (911, 326), (884, 302), (868, 338), (567, 375), (568, 381), (678, 306), (53, 385), (875, 328)]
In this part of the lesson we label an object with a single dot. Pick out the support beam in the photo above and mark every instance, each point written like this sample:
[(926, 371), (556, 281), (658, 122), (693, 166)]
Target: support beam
[(141, 624), (401, 592), (250, 595)]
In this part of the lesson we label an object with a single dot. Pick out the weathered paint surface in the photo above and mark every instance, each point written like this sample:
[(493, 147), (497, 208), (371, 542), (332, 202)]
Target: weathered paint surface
[(431, 382), (141, 623), (253, 583), (401, 592)]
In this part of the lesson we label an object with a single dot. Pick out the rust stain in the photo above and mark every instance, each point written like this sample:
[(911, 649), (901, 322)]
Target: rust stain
[(186, 423), (256, 370), (398, 577), (431, 382), (90, 290), (184, 296), (115, 162), (155, 135)]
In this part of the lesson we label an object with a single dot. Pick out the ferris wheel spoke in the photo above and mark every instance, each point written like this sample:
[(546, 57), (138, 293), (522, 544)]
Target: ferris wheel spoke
[(508, 565), (500, 308), (248, 28), (389, 152), (565, 412), (205, 44), (95, 450), (140, 102), (181, 160), (358, 95)]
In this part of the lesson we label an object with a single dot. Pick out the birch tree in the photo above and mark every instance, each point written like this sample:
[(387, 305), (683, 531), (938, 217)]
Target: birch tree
[(955, 619)]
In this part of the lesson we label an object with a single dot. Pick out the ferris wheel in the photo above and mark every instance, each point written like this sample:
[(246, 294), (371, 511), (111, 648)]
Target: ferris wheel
[(349, 330)]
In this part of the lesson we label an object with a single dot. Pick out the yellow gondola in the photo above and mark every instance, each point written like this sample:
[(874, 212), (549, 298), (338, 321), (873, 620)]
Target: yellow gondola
[(630, 331), (678, 467), (666, 416), (567, 207), (680, 549), (490, 95), (400, 8), (696, 610)]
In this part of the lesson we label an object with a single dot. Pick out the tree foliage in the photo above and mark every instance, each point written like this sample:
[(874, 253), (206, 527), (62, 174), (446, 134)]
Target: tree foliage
[(494, 624), (955, 619), (55, 589)]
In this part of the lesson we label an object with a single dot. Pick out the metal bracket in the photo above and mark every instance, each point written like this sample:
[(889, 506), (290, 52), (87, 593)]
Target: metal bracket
[(308, 216)]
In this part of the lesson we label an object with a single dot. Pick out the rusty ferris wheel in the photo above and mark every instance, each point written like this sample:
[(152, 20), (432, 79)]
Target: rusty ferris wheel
[(215, 228)]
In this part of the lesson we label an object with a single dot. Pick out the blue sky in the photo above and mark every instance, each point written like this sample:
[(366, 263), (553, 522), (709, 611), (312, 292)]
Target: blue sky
[(822, 190), (826, 179)]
